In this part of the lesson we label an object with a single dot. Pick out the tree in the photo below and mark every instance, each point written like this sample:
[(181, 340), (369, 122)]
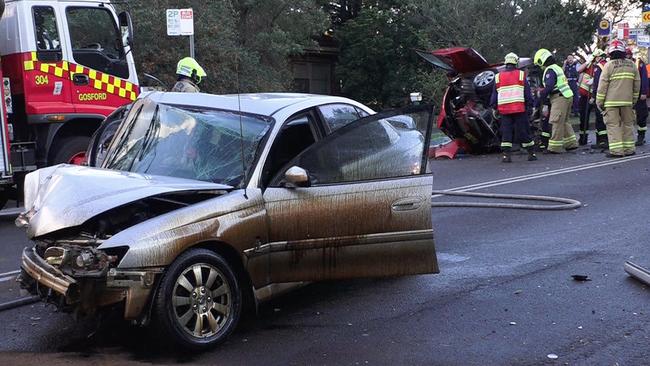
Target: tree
[(497, 27), (378, 64), (615, 10), (244, 45)]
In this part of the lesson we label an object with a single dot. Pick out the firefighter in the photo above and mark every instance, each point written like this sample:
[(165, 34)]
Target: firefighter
[(618, 91), (189, 74), (513, 100), (556, 86), (601, 129), (585, 83), (640, 107)]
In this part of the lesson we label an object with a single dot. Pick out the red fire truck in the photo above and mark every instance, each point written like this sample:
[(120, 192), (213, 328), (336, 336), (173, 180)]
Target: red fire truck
[(65, 65)]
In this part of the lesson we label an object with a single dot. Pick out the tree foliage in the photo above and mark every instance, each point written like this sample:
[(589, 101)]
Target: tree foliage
[(243, 44), (378, 64)]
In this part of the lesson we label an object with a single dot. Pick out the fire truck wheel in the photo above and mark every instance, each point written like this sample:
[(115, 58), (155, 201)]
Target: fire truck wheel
[(71, 150)]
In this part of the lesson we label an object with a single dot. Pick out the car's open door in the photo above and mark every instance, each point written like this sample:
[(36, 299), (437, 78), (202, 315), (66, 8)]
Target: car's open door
[(365, 211)]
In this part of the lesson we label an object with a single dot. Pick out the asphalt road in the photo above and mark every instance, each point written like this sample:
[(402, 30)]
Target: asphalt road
[(504, 295)]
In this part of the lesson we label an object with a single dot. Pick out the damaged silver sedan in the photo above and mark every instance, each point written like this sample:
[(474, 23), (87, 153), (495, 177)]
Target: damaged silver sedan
[(205, 205)]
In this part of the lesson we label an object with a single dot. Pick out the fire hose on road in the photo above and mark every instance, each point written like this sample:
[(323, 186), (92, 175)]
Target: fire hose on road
[(564, 203)]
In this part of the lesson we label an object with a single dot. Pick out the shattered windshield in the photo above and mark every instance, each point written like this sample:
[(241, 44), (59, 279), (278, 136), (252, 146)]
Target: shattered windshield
[(186, 142)]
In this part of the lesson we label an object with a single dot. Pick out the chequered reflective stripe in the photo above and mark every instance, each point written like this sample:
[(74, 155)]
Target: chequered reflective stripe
[(98, 80), (602, 133), (528, 144), (506, 144), (546, 134)]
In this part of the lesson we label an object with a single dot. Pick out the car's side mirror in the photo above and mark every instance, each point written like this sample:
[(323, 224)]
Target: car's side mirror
[(126, 28), (296, 177)]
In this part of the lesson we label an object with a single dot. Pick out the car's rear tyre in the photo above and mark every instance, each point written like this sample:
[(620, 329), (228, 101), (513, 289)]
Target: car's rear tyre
[(484, 82), (70, 150), (198, 304)]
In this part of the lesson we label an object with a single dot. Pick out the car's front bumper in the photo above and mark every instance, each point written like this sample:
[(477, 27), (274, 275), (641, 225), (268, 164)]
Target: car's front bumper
[(47, 275), (134, 287)]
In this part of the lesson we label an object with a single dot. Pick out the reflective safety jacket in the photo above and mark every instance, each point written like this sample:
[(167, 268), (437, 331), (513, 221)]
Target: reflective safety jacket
[(561, 85), (585, 81), (598, 69), (619, 84), (510, 91)]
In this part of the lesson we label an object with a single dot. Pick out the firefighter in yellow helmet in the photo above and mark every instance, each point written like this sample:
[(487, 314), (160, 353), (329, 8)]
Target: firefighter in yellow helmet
[(189, 74), (556, 87), (618, 91)]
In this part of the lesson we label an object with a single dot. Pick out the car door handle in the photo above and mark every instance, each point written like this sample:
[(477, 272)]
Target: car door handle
[(406, 204), (80, 79)]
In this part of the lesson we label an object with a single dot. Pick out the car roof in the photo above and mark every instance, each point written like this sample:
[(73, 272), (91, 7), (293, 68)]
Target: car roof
[(267, 104)]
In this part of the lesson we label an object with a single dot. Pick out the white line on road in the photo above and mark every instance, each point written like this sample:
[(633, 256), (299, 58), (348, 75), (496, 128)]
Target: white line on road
[(11, 212), (522, 178), (9, 273)]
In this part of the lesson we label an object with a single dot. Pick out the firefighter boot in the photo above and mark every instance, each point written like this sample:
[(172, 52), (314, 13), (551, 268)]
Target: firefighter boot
[(506, 158), (543, 143), (640, 139), (531, 155), (583, 139)]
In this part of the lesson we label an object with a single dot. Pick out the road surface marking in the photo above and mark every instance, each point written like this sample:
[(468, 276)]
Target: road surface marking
[(451, 257), (522, 178), (8, 274)]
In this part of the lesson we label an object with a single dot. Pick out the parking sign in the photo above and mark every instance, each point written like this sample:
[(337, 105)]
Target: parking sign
[(180, 22)]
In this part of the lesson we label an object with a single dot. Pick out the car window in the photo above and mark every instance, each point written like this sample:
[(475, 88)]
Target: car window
[(339, 115), (45, 30), (96, 41), (296, 135), (372, 148)]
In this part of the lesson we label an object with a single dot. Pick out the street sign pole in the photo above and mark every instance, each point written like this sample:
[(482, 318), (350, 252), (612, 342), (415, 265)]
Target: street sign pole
[(192, 55)]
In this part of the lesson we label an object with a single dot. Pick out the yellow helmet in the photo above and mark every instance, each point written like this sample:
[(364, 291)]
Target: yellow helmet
[(511, 58), (190, 68), (541, 56)]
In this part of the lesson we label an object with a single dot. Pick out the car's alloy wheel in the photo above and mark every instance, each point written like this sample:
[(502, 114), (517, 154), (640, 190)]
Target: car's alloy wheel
[(484, 79), (199, 300)]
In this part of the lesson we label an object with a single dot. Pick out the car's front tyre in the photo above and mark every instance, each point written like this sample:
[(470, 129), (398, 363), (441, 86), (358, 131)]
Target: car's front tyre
[(198, 303)]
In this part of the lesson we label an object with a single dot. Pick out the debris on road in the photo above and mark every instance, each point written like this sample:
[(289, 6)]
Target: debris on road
[(513, 323), (581, 278), (552, 356), (518, 292)]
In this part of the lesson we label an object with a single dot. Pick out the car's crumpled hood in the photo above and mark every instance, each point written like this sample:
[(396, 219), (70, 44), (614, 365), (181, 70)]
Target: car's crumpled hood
[(68, 195)]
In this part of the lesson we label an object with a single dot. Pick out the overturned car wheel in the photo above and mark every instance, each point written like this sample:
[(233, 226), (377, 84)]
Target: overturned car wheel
[(199, 301)]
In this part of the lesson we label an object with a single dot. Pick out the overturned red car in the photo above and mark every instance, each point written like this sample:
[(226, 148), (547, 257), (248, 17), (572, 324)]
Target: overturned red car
[(465, 113)]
